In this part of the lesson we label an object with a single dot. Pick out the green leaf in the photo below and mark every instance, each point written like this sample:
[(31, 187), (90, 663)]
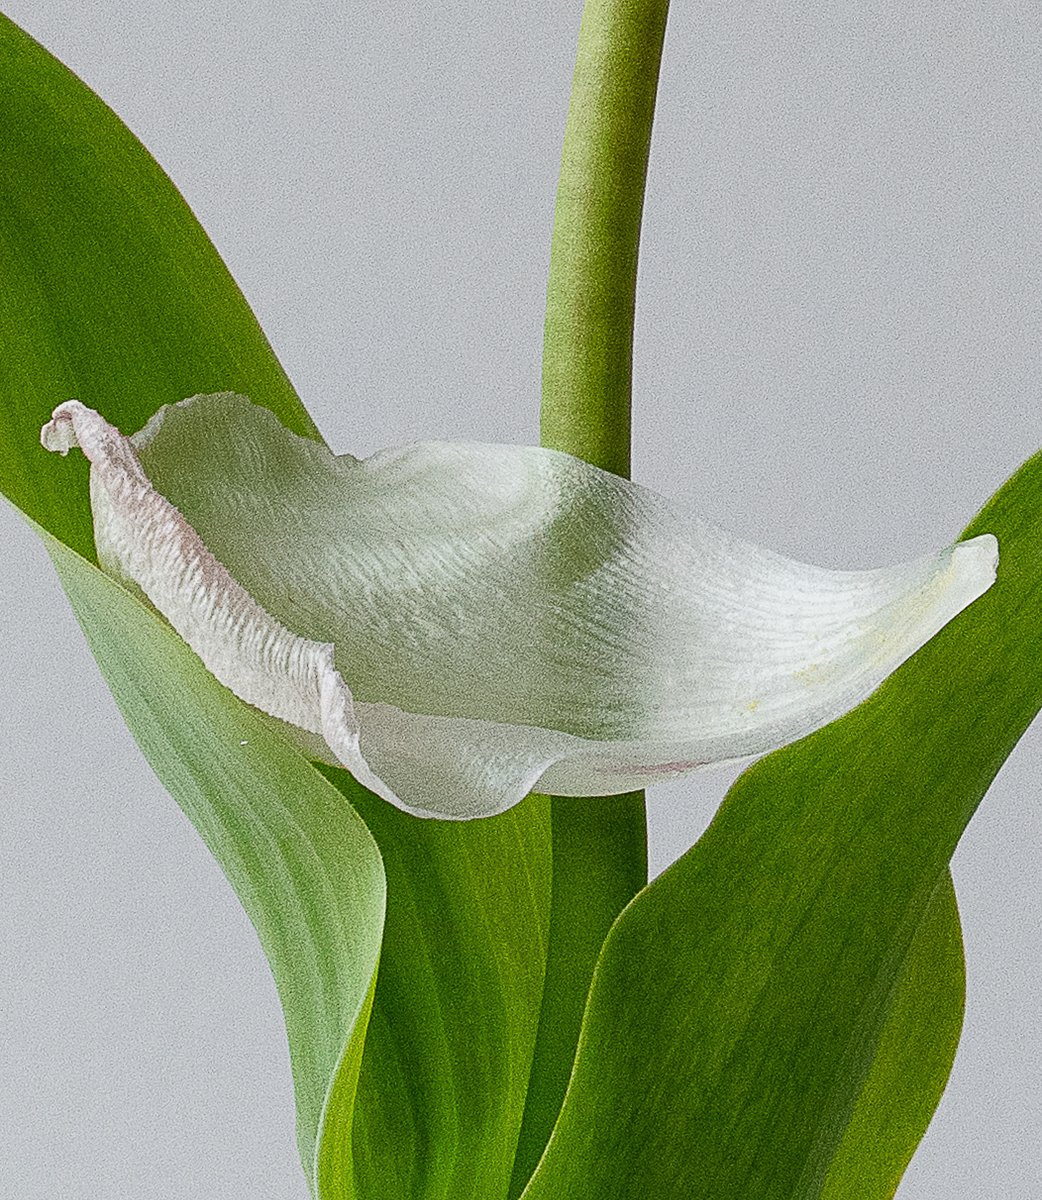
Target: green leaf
[(740, 1000), (109, 287), (110, 291), (301, 861)]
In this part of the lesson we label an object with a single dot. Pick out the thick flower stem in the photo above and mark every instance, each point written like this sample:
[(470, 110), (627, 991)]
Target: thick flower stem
[(591, 297), (599, 844)]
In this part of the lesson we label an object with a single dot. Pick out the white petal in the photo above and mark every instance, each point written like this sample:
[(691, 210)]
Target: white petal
[(142, 538), (506, 616)]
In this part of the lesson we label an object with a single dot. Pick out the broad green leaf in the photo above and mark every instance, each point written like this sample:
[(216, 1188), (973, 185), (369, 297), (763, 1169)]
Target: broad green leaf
[(739, 1001), (110, 291), (300, 859), (109, 287)]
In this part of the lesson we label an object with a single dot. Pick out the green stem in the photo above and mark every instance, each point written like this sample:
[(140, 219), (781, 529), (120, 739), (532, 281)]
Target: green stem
[(599, 844), (591, 297)]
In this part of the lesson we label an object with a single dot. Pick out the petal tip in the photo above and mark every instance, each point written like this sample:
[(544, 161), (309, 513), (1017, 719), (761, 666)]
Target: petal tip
[(977, 560), (59, 434)]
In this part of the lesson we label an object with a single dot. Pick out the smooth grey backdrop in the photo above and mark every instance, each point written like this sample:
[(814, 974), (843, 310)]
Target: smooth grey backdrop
[(838, 355)]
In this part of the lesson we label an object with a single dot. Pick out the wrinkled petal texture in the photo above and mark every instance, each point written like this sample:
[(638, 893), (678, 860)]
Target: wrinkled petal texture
[(461, 623)]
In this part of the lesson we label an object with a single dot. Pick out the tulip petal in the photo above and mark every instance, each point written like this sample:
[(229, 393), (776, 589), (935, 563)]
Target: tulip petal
[(503, 616)]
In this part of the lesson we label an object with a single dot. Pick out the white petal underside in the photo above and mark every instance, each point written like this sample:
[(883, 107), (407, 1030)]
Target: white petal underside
[(504, 617)]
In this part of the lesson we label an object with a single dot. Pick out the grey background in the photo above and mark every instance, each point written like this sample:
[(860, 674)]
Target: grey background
[(838, 356)]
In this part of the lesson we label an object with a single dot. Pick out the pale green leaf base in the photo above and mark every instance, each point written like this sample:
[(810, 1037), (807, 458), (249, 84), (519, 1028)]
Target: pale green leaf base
[(302, 863)]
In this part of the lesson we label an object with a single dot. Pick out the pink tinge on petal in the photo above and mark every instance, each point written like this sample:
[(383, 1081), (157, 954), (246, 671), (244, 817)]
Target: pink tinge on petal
[(146, 539)]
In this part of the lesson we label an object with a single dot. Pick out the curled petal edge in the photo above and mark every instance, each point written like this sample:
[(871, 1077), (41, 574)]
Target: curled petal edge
[(144, 540)]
